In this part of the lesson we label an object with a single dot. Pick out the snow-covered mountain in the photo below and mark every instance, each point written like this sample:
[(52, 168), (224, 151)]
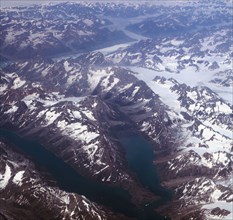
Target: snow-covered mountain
[(205, 56), (55, 29), (79, 106), (171, 82)]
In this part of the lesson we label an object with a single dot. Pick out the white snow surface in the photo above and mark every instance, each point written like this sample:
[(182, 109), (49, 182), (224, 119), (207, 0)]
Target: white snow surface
[(5, 177), (188, 77), (222, 205), (18, 178)]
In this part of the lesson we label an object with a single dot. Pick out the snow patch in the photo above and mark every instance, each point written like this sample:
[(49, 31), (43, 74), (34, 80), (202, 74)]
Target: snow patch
[(18, 178), (12, 109), (5, 177)]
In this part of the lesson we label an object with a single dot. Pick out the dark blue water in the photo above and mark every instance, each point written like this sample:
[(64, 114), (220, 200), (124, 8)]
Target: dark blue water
[(140, 157), (117, 199)]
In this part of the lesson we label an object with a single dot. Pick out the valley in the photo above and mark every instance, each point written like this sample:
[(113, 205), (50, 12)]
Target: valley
[(116, 111)]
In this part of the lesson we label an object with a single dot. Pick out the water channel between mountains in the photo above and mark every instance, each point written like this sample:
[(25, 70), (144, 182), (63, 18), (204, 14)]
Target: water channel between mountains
[(139, 154)]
